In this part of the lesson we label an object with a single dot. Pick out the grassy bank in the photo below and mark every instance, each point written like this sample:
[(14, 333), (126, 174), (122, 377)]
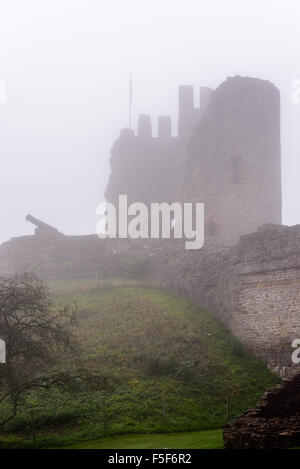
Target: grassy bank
[(163, 365), (209, 439)]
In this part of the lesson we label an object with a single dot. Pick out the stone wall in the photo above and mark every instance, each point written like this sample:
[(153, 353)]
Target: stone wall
[(146, 169), (253, 288), (58, 256), (274, 423)]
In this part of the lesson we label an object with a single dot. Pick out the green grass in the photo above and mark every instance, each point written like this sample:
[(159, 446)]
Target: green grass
[(163, 364), (210, 439)]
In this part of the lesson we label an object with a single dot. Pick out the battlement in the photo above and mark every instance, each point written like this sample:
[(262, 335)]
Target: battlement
[(188, 116)]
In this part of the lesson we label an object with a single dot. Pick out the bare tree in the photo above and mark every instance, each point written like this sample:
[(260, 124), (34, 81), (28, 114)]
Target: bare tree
[(40, 347)]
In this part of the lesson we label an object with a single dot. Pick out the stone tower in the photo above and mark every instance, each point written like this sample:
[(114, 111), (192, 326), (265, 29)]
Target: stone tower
[(233, 163)]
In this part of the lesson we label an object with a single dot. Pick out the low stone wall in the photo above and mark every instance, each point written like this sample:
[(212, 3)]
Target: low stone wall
[(59, 256), (273, 423)]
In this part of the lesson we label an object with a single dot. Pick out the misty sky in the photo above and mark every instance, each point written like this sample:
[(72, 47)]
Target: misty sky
[(66, 64)]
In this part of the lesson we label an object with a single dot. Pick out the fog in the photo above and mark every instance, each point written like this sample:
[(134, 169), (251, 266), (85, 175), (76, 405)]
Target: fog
[(66, 65)]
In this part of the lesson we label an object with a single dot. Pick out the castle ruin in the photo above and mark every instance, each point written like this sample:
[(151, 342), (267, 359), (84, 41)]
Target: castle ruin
[(227, 155)]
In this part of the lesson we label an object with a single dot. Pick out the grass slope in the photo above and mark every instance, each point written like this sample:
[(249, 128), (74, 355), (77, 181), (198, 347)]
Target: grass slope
[(209, 439), (165, 365)]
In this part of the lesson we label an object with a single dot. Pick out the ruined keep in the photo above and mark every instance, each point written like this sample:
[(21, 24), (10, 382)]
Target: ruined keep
[(227, 154)]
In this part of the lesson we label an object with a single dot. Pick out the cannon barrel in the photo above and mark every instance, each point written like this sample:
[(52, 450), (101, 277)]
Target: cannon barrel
[(40, 224)]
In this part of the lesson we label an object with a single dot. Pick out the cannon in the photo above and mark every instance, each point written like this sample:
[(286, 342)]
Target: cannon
[(41, 227)]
